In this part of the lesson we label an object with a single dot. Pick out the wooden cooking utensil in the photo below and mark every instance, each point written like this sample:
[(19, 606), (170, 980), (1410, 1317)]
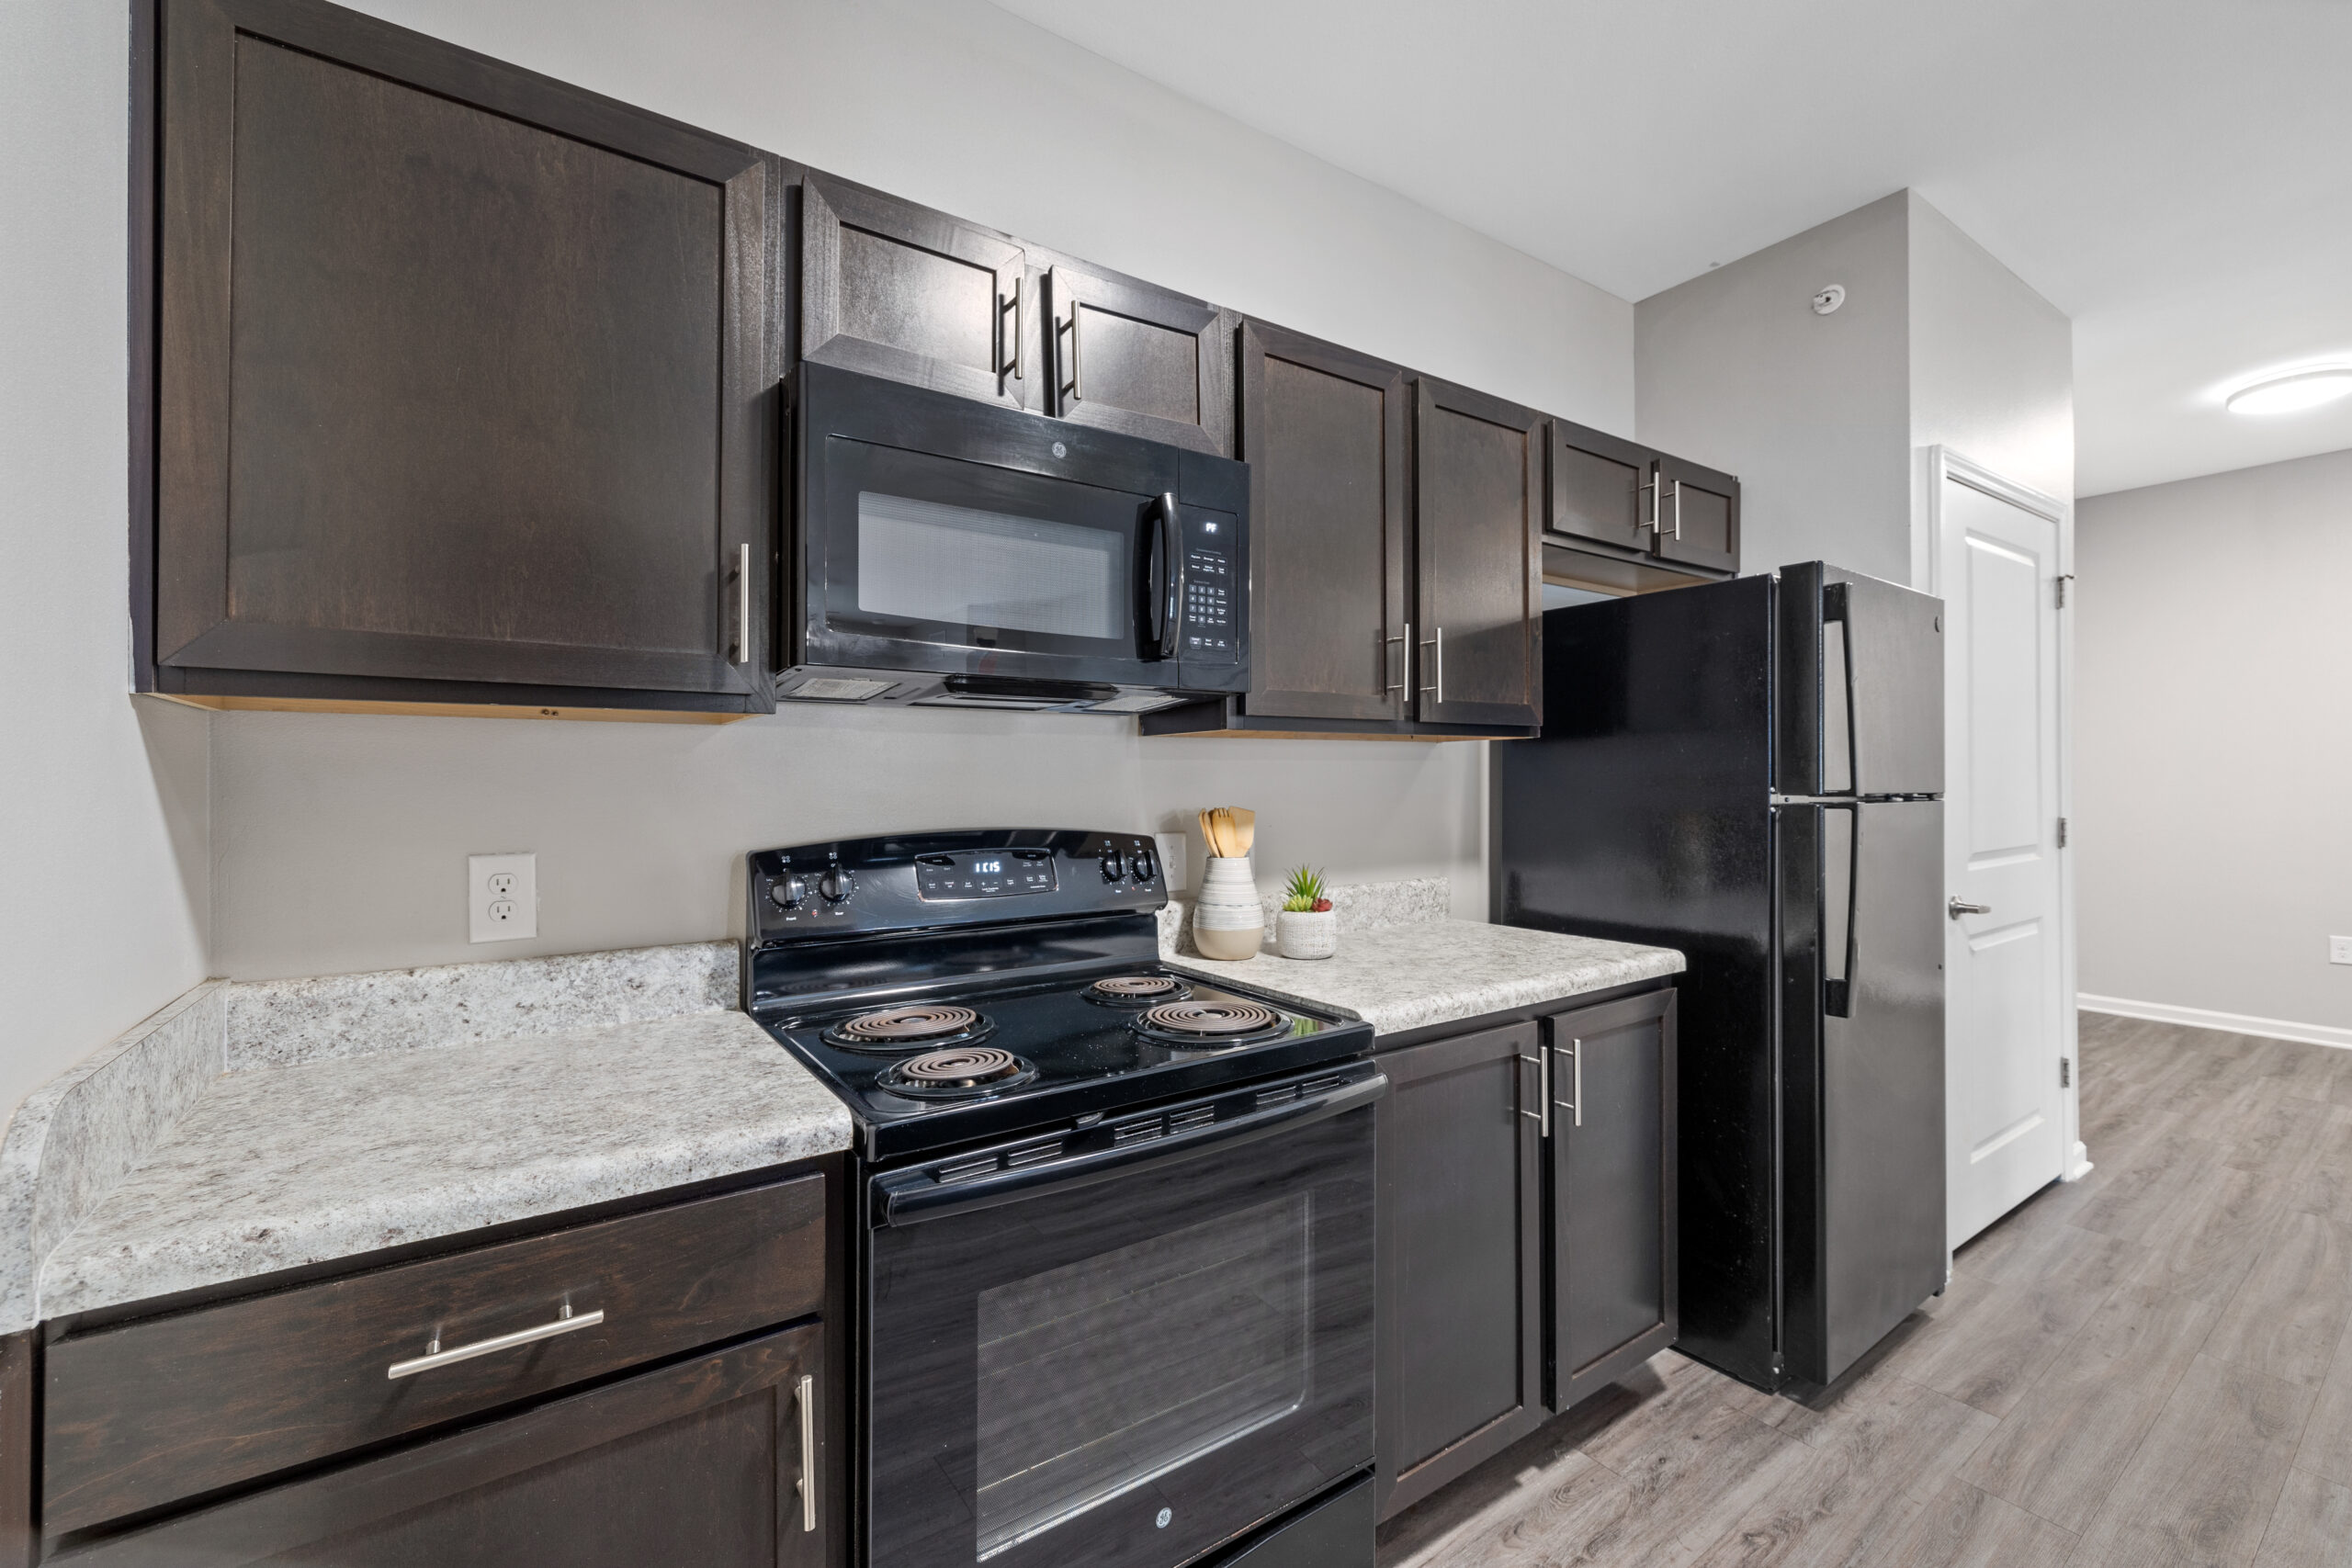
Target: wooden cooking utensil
[(1244, 828)]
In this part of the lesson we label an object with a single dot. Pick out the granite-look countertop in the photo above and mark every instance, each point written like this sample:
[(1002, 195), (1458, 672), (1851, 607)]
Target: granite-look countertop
[(281, 1166), (1408, 977)]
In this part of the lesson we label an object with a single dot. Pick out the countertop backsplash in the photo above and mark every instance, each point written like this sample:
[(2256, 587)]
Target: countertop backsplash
[(1362, 907)]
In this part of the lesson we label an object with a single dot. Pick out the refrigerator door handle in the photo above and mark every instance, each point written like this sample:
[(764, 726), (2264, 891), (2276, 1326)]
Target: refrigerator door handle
[(1838, 990), (1835, 599)]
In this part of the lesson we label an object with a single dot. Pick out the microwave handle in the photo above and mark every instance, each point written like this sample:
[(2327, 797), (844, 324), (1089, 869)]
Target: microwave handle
[(909, 1199), (1160, 581)]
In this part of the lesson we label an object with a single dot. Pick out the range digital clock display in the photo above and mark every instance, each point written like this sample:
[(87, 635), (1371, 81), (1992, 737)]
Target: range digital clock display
[(992, 874)]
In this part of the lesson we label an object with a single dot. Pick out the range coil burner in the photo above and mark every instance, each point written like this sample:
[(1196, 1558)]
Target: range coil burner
[(891, 1030), (1210, 1025), (1137, 990), (956, 1073)]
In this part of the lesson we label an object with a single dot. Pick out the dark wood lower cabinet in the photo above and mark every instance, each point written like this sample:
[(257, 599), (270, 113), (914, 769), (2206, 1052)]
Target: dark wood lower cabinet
[(449, 1411), (701, 1462), (1526, 1260), (1613, 1169), (1461, 1258)]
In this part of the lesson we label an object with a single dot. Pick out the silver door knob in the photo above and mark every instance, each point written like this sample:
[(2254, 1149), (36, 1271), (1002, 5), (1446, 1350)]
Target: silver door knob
[(1960, 907)]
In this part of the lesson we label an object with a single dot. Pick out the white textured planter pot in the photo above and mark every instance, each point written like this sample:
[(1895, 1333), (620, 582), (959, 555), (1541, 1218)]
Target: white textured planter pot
[(1229, 921), (1307, 933)]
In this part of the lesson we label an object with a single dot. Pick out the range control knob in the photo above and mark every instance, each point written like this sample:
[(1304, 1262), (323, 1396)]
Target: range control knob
[(835, 884), (1114, 865), (788, 891), (1144, 868)]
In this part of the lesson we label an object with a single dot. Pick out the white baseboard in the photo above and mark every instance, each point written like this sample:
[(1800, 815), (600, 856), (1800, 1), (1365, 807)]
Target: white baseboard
[(2228, 1022)]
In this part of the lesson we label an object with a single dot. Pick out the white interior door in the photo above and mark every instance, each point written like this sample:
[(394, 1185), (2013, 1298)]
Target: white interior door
[(2005, 949)]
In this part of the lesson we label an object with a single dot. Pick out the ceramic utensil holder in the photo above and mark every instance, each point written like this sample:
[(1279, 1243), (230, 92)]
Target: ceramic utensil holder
[(1307, 933), (1229, 921)]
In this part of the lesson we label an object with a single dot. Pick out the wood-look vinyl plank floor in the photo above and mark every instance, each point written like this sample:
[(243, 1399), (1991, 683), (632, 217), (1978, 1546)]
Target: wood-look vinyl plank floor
[(2150, 1366)]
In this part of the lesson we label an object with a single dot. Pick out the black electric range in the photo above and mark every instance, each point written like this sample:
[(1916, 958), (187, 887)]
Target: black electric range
[(962, 985), (1114, 1268)]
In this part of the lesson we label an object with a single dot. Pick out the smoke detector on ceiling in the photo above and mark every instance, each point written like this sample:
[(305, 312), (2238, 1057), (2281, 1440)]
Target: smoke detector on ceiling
[(1829, 300)]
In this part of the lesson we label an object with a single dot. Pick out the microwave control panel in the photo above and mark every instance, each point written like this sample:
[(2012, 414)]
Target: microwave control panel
[(1213, 609)]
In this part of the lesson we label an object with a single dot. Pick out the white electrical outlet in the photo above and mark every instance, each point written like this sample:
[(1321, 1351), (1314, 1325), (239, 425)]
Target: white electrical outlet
[(1175, 855), (2339, 950), (502, 897)]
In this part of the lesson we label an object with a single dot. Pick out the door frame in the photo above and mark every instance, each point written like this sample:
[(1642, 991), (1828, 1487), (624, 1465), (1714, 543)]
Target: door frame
[(1941, 466)]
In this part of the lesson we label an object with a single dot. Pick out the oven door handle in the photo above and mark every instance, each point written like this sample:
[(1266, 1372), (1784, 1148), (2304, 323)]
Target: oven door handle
[(901, 1200)]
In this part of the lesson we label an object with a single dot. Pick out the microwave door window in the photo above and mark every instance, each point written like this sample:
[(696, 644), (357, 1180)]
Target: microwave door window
[(935, 563)]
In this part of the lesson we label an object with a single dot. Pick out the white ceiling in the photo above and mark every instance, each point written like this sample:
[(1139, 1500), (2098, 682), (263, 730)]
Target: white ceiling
[(2175, 175)]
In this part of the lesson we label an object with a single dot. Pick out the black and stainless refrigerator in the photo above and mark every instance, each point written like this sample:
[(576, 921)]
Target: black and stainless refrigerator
[(1752, 772)]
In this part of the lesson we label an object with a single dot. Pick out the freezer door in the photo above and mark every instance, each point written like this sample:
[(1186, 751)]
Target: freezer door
[(1860, 692), (1863, 1093)]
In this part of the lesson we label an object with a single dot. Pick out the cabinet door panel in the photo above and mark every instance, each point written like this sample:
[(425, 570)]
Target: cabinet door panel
[(1698, 515), (1614, 1183), (1140, 360), (698, 1463), (895, 289), (1461, 1258), (1324, 434), (460, 371), (1478, 513), (1597, 488)]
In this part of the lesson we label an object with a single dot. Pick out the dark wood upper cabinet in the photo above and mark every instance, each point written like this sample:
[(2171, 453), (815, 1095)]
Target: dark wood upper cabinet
[(463, 376), (895, 289), (1140, 360), (1325, 433), (1460, 1250), (1627, 519), (1478, 465), (1598, 491), (1698, 515), (1615, 1292)]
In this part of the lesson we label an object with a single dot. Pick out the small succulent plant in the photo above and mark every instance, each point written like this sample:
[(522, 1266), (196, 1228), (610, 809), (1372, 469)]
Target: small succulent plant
[(1305, 892)]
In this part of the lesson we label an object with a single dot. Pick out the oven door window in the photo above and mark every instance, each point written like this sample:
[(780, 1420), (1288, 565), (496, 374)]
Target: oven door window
[(939, 551), (1129, 1373)]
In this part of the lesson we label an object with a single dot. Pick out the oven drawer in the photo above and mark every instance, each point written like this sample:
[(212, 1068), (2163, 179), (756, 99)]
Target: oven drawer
[(169, 1407)]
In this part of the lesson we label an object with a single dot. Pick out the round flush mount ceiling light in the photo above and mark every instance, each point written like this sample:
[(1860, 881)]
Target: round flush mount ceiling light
[(2286, 394)]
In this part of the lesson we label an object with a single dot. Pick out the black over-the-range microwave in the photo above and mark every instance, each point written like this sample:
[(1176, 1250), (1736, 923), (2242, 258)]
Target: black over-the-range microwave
[(945, 552)]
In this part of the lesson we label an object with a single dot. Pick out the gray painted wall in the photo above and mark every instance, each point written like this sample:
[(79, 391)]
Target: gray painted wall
[(1992, 363), (2215, 746), (103, 835), (1825, 418), (340, 840), (1732, 370)]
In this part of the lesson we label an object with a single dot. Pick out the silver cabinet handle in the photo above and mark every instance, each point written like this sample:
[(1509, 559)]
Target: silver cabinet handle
[(1678, 508), (1438, 643), (743, 605), (1009, 345), (1075, 383), (1651, 522), (1959, 907), (1542, 1062), (805, 1394), (1575, 1105), (437, 1357), (1404, 661)]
